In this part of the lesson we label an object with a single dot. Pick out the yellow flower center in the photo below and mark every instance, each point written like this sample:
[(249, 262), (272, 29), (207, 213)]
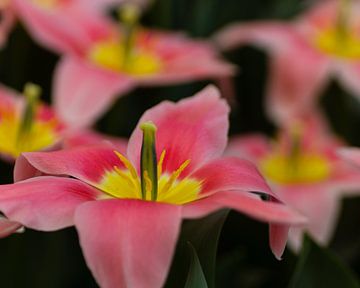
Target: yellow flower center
[(347, 47), (125, 183), (41, 135), (305, 168), (46, 4), (112, 55)]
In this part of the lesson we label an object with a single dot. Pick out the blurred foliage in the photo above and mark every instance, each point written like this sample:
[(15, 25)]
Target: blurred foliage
[(44, 260), (318, 267)]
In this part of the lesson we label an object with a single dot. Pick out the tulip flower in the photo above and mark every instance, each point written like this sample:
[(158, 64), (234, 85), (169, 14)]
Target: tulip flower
[(25, 123), (115, 59), (305, 54), (128, 208), (305, 172), (107, 59)]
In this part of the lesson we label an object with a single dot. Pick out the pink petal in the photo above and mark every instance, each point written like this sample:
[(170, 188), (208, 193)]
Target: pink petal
[(177, 53), (230, 174), (128, 243), (252, 147), (351, 155), (24, 170), (278, 236), (85, 163), (88, 137), (7, 21), (269, 35), (293, 89), (278, 239), (244, 202), (8, 227), (44, 203), (349, 74), (83, 93), (200, 124), (319, 203), (64, 28)]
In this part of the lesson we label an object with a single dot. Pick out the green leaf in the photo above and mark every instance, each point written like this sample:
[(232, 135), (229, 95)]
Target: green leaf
[(319, 267), (196, 278), (204, 235)]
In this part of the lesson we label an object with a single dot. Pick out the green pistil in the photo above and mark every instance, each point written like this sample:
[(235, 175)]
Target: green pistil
[(295, 149), (129, 15), (32, 93), (342, 22), (148, 162)]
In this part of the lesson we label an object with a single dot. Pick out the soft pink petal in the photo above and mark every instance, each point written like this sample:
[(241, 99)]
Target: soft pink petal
[(83, 93), (24, 170), (128, 243), (85, 163), (64, 28), (278, 235), (7, 21), (8, 227), (195, 128), (319, 203), (349, 74), (293, 90), (44, 203), (269, 35), (252, 147), (345, 180), (9, 98), (177, 53), (88, 137), (226, 174), (351, 155), (247, 203)]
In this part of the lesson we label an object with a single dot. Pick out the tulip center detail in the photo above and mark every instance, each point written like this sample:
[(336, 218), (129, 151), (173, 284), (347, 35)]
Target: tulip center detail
[(47, 4), (347, 47), (112, 55), (341, 40), (305, 168), (152, 184), (129, 54), (22, 131)]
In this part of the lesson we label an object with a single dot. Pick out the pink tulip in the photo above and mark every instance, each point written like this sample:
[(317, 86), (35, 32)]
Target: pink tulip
[(128, 215), (107, 62), (47, 131), (305, 172), (101, 64), (20, 131), (304, 54)]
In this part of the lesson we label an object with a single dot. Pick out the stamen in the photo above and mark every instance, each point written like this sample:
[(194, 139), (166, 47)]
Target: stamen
[(174, 176), (160, 163), (127, 164), (126, 177), (148, 160)]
